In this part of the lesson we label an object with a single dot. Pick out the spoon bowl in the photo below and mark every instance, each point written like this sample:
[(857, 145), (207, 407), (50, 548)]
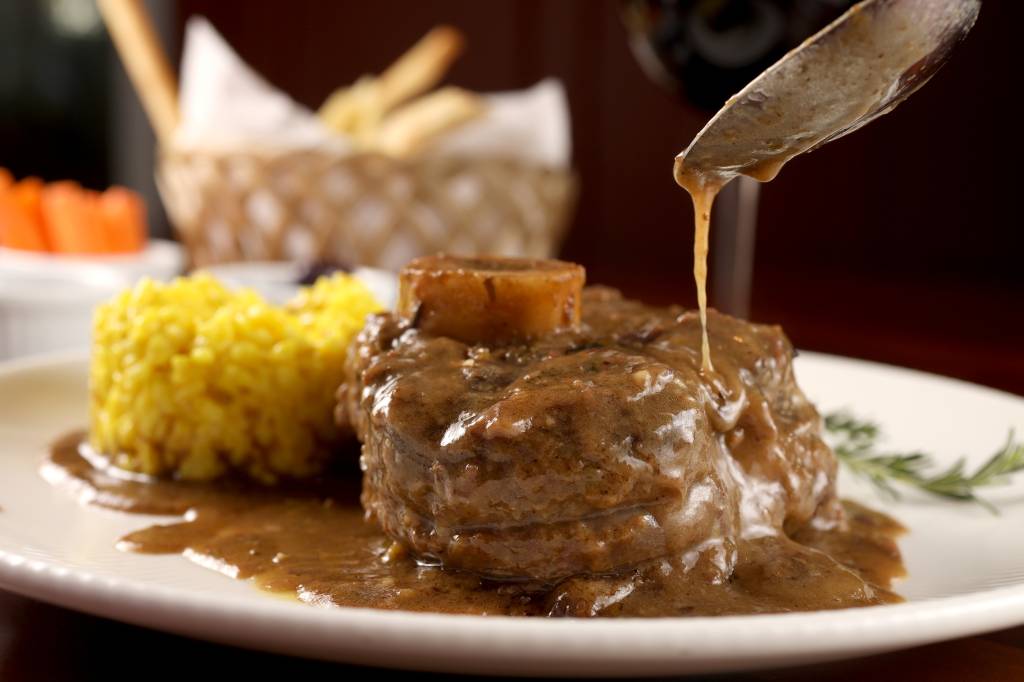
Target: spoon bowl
[(854, 70)]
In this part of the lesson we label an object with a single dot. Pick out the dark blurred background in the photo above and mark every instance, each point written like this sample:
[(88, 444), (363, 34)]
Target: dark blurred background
[(899, 243)]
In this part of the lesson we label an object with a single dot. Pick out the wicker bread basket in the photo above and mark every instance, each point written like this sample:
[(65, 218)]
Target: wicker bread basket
[(360, 209)]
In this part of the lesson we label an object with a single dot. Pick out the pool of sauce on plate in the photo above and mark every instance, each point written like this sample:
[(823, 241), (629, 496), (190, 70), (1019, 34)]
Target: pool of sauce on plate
[(312, 541)]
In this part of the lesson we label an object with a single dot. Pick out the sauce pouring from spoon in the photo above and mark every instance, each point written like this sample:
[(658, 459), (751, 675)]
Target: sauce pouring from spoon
[(854, 70)]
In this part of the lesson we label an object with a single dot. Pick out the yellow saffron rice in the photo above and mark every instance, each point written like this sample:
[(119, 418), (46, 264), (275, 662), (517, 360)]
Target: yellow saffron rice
[(194, 380)]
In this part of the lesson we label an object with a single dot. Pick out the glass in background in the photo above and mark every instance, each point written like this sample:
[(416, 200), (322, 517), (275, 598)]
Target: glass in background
[(706, 51)]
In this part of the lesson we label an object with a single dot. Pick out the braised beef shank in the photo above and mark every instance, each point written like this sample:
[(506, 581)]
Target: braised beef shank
[(589, 451)]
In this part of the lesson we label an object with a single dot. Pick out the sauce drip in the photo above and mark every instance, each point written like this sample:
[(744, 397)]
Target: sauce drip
[(703, 185), (702, 189)]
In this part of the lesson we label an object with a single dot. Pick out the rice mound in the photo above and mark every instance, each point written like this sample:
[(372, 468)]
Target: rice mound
[(193, 380)]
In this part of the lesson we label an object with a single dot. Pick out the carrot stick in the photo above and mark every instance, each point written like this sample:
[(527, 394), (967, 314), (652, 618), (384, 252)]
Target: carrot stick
[(72, 219), (123, 213), (20, 217)]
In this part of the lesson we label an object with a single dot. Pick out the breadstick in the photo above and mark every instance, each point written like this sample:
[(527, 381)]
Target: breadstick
[(356, 110), (412, 127), (421, 68), (131, 29)]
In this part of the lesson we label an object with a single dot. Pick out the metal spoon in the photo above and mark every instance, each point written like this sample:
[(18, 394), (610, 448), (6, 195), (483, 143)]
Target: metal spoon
[(851, 72)]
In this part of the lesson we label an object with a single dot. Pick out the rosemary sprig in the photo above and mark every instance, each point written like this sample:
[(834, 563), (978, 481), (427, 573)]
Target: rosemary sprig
[(854, 441)]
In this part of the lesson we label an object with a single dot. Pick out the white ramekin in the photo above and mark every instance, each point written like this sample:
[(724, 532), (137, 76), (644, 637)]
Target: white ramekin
[(46, 301)]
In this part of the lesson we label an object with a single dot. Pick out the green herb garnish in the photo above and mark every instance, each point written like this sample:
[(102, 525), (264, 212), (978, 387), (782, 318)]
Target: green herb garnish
[(854, 442)]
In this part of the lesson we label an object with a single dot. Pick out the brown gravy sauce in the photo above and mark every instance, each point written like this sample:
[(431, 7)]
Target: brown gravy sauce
[(703, 185), (312, 541), (703, 194)]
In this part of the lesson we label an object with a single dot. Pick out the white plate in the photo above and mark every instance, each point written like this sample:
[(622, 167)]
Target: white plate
[(966, 565)]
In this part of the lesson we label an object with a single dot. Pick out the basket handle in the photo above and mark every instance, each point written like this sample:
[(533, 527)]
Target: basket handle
[(131, 29)]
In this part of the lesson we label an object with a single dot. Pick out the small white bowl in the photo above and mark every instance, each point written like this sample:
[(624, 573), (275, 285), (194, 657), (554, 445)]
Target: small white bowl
[(161, 260), (278, 281), (46, 301)]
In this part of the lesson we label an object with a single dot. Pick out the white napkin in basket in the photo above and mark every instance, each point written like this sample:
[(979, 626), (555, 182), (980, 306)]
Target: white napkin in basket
[(225, 105), (531, 124)]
